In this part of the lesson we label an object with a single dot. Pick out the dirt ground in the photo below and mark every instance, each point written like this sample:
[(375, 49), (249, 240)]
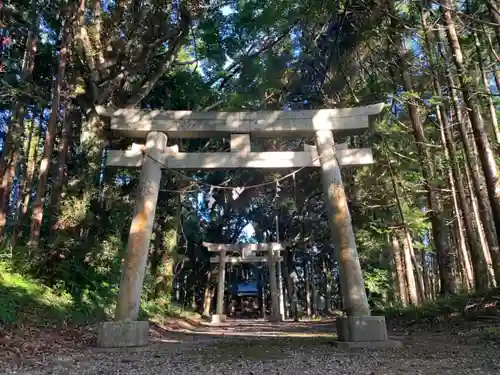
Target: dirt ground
[(258, 347)]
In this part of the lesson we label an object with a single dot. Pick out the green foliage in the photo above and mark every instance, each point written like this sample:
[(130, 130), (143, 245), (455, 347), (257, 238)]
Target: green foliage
[(161, 309), (26, 300), (460, 306), (23, 298), (262, 55)]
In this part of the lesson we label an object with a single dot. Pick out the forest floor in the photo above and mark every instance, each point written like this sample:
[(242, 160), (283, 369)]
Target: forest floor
[(42, 333), (258, 347)]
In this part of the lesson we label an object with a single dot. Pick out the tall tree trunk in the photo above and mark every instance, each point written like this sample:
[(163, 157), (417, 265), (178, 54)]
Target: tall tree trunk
[(438, 222), (407, 235), (307, 276), (24, 176), (328, 285), (313, 288), (64, 52), (292, 285), (488, 98), (495, 18), (208, 294), (427, 278), (294, 298), (493, 59), (417, 267), (10, 154), (481, 138), (462, 210), (456, 183), (60, 179), (400, 272), (286, 304), (480, 230), (463, 261), (472, 165), (32, 168), (410, 275)]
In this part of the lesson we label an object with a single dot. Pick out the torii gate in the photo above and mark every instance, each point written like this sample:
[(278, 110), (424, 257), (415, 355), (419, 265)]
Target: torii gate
[(358, 325), (247, 256)]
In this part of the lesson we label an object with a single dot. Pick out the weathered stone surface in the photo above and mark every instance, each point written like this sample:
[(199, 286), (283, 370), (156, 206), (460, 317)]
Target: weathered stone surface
[(361, 328), (273, 285), (240, 143), (243, 248), (129, 297), (187, 124), (229, 160), (244, 259), (122, 334), (351, 277), (218, 318), (280, 289), (219, 309)]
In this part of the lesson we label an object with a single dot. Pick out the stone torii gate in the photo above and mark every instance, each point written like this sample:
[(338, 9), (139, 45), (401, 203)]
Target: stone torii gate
[(358, 326), (247, 252)]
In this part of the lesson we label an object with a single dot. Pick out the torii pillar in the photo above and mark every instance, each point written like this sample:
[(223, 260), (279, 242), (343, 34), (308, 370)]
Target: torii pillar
[(273, 284), (126, 330), (220, 315), (358, 326)]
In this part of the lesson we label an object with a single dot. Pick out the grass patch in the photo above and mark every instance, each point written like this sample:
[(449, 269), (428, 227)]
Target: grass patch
[(161, 309), (22, 299), (25, 300)]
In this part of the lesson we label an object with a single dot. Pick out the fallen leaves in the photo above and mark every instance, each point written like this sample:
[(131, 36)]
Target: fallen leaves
[(22, 343)]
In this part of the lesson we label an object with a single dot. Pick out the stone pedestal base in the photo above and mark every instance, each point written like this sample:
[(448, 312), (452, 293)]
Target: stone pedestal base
[(218, 318), (361, 329), (274, 319), (122, 334)]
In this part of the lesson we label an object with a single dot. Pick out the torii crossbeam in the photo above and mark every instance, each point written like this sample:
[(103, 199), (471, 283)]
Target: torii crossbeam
[(156, 126), (246, 255)]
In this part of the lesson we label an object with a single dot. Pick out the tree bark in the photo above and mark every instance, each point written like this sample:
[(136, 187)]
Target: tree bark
[(487, 98), (429, 294), (480, 230), (400, 272), (418, 271), (436, 215), (64, 53), (61, 167), (328, 286), (485, 152), (32, 168), (456, 184), (208, 295), (10, 154), (495, 18), (307, 276), (472, 165), (410, 275), (25, 178)]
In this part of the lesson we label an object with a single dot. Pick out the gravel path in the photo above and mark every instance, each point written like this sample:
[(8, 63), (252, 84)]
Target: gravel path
[(183, 354)]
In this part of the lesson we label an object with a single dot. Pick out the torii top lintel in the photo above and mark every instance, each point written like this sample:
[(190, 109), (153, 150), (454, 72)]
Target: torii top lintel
[(136, 123)]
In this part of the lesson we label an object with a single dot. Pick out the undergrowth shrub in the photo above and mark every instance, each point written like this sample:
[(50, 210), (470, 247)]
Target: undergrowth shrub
[(465, 306)]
